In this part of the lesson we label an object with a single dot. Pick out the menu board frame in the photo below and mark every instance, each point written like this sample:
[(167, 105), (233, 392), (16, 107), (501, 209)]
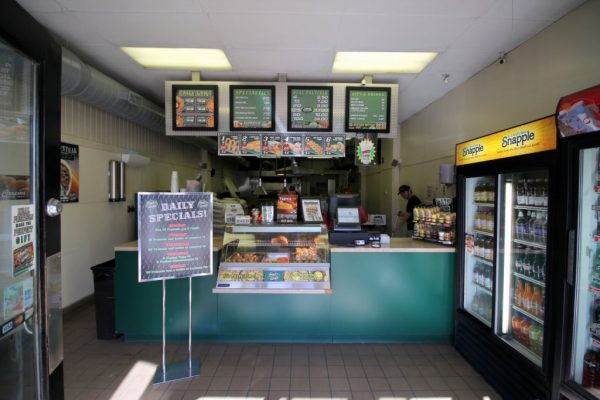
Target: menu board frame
[(289, 109), (350, 89), (232, 88), (177, 87)]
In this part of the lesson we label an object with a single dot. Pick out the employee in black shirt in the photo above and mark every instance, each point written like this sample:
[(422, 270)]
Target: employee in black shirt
[(413, 201)]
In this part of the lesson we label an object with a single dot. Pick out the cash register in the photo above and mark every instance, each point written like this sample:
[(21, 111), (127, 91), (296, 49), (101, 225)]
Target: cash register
[(344, 211)]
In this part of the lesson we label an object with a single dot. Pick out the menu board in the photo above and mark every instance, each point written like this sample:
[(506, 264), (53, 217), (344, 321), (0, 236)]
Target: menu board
[(271, 145), (229, 144), (314, 145), (175, 235), (250, 144), (309, 108), (292, 146), (335, 145), (195, 108), (252, 108), (368, 109)]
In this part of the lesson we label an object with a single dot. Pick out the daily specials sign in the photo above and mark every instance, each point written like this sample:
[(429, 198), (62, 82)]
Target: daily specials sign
[(175, 235), (533, 137)]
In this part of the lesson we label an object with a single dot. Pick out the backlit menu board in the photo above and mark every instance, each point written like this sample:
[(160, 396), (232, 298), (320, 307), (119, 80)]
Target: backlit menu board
[(368, 109), (252, 108), (195, 108), (309, 108)]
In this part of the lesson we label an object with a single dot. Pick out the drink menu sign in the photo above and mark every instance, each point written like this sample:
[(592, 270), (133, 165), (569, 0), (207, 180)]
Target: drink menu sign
[(368, 109), (252, 108), (309, 108), (196, 108), (175, 235)]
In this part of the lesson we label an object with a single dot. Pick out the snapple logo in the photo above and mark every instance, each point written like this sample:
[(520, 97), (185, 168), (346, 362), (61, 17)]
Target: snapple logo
[(518, 139), (472, 150)]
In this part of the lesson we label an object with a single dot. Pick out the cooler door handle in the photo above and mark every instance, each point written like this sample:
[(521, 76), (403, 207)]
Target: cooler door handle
[(571, 257)]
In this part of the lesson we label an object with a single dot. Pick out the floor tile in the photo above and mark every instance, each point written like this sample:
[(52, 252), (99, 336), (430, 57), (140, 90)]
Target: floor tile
[(339, 384), (362, 396), (280, 384), (359, 385), (300, 384), (319, 384)]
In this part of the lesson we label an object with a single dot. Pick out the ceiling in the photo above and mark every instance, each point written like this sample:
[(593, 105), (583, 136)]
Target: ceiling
[(299, 38)]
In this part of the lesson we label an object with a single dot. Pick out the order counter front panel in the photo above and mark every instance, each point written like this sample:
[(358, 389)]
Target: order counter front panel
[(400, 293)]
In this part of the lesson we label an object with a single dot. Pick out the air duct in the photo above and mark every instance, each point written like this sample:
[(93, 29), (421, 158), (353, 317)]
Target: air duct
[(92, 87)]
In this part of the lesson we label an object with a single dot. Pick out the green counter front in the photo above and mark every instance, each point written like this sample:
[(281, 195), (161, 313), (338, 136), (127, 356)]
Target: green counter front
[(403, 293)]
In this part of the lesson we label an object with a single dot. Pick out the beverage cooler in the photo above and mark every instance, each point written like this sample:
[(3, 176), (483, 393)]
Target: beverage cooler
[(578, 366), (506, 202)]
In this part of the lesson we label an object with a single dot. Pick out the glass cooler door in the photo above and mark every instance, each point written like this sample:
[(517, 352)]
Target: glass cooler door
[(585, 362), (523, 233), (479, 247)]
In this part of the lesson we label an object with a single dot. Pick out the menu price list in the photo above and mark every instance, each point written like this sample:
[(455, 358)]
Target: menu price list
[(252, 108), (309, 108), (195, 107), (367, 109)]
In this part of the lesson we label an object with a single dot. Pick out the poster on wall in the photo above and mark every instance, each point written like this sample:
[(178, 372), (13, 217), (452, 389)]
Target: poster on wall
[(23, 238), (69, 173), (175, 235), (14, 187), (366, 150)]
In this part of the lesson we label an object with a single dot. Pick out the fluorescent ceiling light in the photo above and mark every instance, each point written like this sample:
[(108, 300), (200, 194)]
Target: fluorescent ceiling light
[(175, 58), (381, 62)]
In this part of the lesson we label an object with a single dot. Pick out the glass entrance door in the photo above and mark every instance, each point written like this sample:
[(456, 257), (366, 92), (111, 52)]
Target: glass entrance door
[(19, 252)]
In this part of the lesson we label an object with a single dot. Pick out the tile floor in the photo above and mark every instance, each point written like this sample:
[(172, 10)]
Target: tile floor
[(117, 370)]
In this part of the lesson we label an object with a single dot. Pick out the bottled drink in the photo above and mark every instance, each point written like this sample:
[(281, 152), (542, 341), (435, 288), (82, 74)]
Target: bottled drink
[(477, 193), (516, 326), (538, 225), (544, 193), (536, 299), (491, 221), (519, 259), (543, 303), (525, 326), (520, 225), (527, 296), (491, 251), (519, 293), (532, 236), (481, 276), (544, 229), (488, 278), (527, 262), (476, 303), (521, 192), (538, 193), (476, 274), (536, 337), (590, 369), (492, 193), (529, 184)]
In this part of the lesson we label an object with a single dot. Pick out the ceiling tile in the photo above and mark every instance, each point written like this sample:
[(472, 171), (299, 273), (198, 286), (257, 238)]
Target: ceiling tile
[(281, 60), (33, 6), (397, 33), (273, 6), (147, 6), (69, 27), (446, 8), (533, 9), (277, 31), (131, 29)]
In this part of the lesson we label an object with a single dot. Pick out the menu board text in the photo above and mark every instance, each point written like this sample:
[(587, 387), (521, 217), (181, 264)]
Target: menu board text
[(367, 109), (309, 108), (252, 108), (195, 108)]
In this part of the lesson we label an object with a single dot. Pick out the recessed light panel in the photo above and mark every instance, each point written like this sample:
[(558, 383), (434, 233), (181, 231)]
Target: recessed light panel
[(179, 58), (381, 62)]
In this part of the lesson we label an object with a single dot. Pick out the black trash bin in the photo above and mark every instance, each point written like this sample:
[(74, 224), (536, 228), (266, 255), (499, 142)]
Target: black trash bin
[(104, 294)]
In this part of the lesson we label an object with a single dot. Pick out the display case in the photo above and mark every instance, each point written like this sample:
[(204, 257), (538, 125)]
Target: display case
[(274, 259), (434, 225)]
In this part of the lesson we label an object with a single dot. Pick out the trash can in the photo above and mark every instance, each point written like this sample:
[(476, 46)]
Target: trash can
[(104, 295)]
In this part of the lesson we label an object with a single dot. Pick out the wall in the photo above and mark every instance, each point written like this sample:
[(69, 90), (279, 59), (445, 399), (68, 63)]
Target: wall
[(562, 59), (92, 227)]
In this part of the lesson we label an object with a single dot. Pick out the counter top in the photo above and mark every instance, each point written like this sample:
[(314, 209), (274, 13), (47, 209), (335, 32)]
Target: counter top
[(397, 245), (133, 245)]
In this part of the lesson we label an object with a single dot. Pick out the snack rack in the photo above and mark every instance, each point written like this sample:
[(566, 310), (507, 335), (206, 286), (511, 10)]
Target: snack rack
[(274, 259)]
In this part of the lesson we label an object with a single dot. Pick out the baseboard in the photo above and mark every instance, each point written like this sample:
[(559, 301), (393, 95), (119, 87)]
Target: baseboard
[(69, 310)]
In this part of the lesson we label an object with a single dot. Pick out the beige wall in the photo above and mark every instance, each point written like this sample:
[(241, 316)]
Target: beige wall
[(92, 227), (562, 59)]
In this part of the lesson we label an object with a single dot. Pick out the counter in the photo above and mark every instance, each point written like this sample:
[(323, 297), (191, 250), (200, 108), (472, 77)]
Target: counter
[(402, 292)]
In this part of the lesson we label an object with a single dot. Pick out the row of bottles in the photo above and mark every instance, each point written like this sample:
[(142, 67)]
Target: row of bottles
[(530, 297), (530, 262), (591, 359), (485, 192), (532, 192), (433, 232), (483, 275), (433, 214), (484, 247), (528, 332), (482, 305), (532, 226), (484, 220)]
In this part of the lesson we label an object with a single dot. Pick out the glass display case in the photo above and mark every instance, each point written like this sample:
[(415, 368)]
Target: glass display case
[(522, 248), (278, 258), (480, 243)]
